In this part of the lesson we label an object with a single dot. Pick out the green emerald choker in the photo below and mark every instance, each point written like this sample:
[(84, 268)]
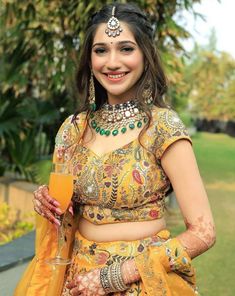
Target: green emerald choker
[(116, 119)]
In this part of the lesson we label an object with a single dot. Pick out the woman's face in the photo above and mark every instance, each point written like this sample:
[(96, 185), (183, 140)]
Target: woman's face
[(117, 63)]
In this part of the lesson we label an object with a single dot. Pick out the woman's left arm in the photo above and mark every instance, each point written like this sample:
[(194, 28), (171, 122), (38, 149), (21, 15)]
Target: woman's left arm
[(180, 165)]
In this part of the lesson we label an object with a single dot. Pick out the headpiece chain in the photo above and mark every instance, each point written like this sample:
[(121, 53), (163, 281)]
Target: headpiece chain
[(113, 25)]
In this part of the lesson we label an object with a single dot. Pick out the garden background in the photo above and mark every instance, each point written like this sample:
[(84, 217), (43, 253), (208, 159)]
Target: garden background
[(39, 51)]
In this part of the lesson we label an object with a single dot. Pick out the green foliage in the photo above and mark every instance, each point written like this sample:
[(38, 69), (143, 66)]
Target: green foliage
[(9, 227), (22, 152), (39, 51), (210, 80), (22, 135), (9, 116), (42, 171), (42, 41), (186, 118)]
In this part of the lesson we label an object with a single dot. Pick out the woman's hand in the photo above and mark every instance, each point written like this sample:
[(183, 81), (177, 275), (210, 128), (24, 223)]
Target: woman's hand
[(130, 273), (87, 284), (45, 205)]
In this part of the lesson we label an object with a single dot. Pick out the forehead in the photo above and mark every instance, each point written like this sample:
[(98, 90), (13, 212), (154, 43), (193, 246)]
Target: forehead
[(101, 36)]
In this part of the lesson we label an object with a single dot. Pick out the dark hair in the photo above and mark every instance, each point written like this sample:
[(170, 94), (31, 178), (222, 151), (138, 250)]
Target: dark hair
[(153, 74)]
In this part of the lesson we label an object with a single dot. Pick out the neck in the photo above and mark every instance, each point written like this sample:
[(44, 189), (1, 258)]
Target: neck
[(123, 104), (120, 99), (116, 101)]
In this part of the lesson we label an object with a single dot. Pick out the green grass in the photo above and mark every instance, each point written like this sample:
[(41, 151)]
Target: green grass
[(216, 156), (216, 159)]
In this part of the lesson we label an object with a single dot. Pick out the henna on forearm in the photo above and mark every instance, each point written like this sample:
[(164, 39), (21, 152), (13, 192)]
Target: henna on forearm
[(199, 236)]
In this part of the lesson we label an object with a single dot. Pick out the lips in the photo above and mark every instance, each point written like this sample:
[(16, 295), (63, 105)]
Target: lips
[(115, 76)]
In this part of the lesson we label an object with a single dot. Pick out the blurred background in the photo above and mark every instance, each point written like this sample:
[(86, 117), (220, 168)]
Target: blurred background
[(39, 51)]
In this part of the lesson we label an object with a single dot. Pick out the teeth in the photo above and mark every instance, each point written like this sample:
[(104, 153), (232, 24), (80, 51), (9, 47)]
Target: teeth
[(116, 76)]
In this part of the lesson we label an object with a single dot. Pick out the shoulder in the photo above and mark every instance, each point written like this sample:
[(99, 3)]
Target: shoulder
[(168, 128), (69, 132), (166, 117), (168, 120)]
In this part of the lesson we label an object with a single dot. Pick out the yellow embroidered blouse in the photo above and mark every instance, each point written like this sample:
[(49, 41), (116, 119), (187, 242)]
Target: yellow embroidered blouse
[(127, 184)]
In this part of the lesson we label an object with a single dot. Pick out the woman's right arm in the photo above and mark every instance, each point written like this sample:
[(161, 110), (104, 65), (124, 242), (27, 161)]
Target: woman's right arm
[(44, 204)]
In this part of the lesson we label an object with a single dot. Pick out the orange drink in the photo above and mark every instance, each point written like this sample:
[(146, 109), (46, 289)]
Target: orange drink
[(61, 188)]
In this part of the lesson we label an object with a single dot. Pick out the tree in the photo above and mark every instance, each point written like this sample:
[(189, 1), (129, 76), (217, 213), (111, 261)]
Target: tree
[(39, 52), (210, 77)]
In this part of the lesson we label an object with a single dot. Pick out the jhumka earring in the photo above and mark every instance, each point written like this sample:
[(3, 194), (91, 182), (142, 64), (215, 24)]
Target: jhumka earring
[(113, 25), (91, 97), (147, 94)]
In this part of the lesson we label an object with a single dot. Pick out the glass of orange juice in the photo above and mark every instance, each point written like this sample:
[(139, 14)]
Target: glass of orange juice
[(60, 188)]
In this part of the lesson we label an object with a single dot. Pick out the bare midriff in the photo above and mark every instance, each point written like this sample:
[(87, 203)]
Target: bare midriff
[(126, 231)]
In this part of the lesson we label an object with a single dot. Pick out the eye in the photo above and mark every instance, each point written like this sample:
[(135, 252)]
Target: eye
[(99, 50), (127, 49)]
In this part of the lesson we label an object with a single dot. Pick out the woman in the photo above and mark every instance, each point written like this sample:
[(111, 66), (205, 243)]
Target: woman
[(127, 150)]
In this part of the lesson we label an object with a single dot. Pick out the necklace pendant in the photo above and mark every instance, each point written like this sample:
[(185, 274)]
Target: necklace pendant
[(115, 132), (110, 118), (119, 117), (127, 114), (136, 110), (123, 130), (116, 119)]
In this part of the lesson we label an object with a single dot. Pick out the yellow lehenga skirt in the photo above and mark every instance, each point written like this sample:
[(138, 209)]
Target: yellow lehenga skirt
[(88, 255), (154, 265)]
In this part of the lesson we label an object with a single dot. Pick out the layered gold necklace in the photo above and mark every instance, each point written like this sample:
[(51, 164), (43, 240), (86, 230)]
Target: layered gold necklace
[(116, 119)]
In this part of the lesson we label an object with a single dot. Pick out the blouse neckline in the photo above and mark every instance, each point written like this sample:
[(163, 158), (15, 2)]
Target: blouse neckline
[(106, 154)]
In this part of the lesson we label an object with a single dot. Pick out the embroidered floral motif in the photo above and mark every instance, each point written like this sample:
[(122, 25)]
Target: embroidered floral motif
[(165, 257), (127, 184)]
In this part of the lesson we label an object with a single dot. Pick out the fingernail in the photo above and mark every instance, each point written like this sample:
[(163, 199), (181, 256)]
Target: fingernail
[(56, 203), (58, 211), (71, 211), (57, 222)]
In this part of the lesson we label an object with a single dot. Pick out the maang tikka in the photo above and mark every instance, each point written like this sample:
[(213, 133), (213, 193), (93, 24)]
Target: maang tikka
[(113, 25), (91, 97)]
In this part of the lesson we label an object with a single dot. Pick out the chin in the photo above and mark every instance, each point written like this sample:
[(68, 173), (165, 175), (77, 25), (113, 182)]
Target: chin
[(119, 92)]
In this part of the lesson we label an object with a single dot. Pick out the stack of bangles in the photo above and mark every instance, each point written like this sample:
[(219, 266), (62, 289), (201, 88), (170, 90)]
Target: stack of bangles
[(111, 278)]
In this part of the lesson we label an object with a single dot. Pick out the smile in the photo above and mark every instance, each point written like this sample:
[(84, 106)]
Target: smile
[(115, 77)]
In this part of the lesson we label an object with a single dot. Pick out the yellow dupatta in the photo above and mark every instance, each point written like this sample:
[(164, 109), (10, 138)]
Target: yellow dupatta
[(41, 278)]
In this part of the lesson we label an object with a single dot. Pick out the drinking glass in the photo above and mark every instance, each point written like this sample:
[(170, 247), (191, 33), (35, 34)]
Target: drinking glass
[(60, 188)]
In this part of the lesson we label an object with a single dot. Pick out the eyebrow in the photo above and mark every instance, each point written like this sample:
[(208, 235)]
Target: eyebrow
[(120, 43)]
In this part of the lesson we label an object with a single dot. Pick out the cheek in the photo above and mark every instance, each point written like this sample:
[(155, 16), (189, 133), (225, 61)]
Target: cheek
[(96, 62), (136, 63)]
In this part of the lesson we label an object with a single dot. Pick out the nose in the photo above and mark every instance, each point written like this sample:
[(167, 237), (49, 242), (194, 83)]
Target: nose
[(113, 62)]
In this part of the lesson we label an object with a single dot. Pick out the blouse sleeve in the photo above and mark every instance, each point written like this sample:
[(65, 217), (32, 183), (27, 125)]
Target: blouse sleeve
[(170, 129), (65, 141)]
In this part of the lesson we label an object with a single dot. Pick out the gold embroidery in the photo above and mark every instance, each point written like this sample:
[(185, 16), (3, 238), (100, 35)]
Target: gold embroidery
[(127, 184)]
